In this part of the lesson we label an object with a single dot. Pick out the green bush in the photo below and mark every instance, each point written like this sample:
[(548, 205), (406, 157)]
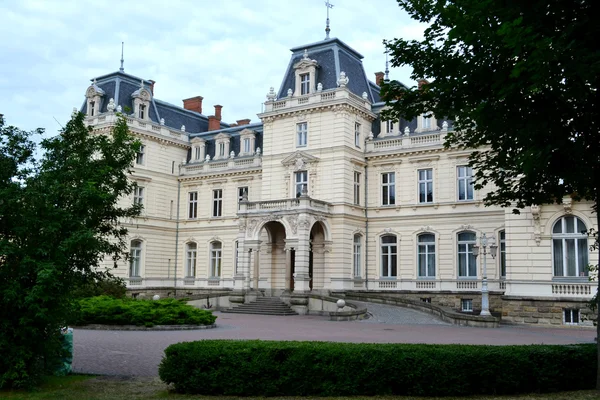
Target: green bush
[(257, 368), (102, 286), (110, 311)]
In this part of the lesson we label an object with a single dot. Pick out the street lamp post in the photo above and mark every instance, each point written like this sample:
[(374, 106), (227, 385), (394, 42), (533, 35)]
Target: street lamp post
[(483, 247)]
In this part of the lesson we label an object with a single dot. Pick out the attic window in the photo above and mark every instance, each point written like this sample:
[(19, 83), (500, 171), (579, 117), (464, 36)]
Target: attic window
[(142, 111), (92, 108), (304, 84)]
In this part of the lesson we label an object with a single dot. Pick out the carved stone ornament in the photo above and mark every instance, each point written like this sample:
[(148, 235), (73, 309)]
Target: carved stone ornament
[(111, 105), (305, 55), (406, 131), (290, 92), (74, 113), (343, 80), (466, 227), (258, 151), (207, 158), (426, 228), (568, 205), (365, 96), (242, 225), (272, 96), (319, 87), (162, 121), (182, 128), (252, 224), (303, 223), (293, 222), (119, 108), (232, 154), (445, 125), (299, 164)]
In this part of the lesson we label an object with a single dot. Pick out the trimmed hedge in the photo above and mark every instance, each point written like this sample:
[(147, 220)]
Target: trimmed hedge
[(259, 368), (110, 311)]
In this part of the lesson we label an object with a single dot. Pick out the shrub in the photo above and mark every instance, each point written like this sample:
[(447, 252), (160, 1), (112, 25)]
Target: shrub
[(253, 368), (102, 286), (110, 311)]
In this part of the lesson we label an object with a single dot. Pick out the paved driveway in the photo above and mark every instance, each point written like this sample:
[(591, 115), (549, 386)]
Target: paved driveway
[(140, 352)]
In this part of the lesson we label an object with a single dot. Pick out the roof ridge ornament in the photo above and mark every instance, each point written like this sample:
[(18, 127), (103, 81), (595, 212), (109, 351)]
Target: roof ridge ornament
[(122, 60), (327, 30), (305, 55)]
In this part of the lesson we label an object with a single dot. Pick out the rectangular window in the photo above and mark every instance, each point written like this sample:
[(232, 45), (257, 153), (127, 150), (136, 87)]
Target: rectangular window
[(466, 305), (301, 134), (247, 145), (426, 122), (197, 153), (139, 160), (191, 260), (357, 188), (426, 255), (389, 257), (467, 262), (215, 260), (221, 149), (389, 127), (138, 195), (388, 188), (193, 205), (142, 111), (242, 192), (571, 316), (425, 185), (304, 84), (357, 256), (357, 134), (217, 210), (92, 108), (465, 182), (301, 184), (502, 254)]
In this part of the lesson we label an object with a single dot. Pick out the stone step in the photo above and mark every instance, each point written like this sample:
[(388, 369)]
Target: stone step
[(263, 306)]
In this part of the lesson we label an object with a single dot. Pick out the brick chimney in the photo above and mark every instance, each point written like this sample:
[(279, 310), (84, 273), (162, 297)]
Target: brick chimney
[(213, 123), (152, 86), (218, 109), (193, 104), (243, 122), (422, 82), (379, 78)]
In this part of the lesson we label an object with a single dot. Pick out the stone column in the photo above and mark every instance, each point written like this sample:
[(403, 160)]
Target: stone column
[(301, 277), (256, 260), (288, 267)]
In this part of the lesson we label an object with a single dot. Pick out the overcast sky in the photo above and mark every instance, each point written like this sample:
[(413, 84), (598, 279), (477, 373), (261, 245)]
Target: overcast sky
[(228, 51)]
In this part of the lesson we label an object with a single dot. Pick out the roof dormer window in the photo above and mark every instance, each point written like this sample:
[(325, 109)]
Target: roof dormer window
[(142, 111), (92, 108), (304, 84)]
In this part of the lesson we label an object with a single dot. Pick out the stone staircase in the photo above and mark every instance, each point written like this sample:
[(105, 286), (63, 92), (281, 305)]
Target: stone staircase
[(263, 306)]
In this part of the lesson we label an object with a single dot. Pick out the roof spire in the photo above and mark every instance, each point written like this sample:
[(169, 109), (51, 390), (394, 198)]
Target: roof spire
[(122, 46), (387, 70), (328, 5)]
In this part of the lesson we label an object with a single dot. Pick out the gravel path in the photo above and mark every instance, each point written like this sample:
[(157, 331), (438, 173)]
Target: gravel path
[(139, 353)]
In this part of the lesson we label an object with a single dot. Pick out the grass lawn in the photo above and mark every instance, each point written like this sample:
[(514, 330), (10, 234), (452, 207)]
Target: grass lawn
[(86, 387)]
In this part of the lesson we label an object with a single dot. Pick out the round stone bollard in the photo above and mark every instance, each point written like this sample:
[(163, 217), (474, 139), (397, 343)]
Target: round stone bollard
[(341, 304), (156, 297)]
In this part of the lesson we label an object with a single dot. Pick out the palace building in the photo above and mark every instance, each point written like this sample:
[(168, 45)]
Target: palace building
[(322, 196)]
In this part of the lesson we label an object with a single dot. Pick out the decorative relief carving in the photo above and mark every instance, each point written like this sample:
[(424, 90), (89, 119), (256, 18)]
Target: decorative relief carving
[(536, 210), (568, 205), (293, 222), (466, 227), (242, 225)]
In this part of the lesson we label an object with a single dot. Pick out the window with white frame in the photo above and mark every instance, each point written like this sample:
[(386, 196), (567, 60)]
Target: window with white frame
[(426, 255), (247, 146), (197, 153), (215, 259), (357, 134), (467, 262), (242, 190), (502, 258), (221, 149), (142, 111), (426, 118), (135, 258), (357, 255), (425, 185), (236, 259), (570, 247), (389, 127), (357, 188), (465, 182), (217, 208), (571, 316), (466, 305), (191, 255), (389, 256), (301, 182), (301, 134), (304, 84), (192, 204), (138, 195), (141, 155), (388, 188)]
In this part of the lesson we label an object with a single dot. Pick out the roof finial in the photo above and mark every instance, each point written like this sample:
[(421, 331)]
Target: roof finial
[(122, 46), (328, 5), (387, 70)]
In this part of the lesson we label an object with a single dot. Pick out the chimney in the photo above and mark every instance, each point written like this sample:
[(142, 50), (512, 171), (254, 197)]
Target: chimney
[(152, 86), (193, 104), (422, 82), (379, 78), (243, 122), (218, 111), (213, 123)]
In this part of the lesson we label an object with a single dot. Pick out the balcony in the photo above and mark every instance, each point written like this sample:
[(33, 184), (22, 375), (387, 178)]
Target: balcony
[(407, 142), (221, 165), (300, 204), (146, 126), (324, 97)]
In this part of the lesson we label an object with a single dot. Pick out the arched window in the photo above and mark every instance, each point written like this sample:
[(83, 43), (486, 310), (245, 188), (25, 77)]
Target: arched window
[(570, 247), (467, 263), (389, 256), (357, 255), (215, 259), (502, 259), (426, 255), (135, 258), (191, 254)]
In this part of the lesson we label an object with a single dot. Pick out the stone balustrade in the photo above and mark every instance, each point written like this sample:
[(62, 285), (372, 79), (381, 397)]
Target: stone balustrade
[(401, 142), (300, 203), (202, 167), (110, 118), (315, 98)]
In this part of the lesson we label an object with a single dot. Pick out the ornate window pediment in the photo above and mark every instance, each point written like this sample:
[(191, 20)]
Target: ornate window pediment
[(299, 159)]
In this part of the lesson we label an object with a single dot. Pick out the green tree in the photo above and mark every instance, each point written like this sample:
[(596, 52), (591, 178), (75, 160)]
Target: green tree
[(521, 80), (58, 218)]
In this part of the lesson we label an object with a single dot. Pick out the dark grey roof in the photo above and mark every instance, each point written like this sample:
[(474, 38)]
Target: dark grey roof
[(234, 133), (332, 57), (120, 86)]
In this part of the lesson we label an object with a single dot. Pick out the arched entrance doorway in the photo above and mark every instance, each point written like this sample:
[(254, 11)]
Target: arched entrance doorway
[(317, 256), (269, 272)]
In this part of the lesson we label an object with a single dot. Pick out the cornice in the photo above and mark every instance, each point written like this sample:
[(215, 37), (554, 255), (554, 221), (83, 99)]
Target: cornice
[(219, 174), (347, 106)]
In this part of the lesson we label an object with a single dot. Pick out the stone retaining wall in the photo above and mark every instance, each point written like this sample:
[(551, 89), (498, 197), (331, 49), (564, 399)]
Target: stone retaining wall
[(544, 311)]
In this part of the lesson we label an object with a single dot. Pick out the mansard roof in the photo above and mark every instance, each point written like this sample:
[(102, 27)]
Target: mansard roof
[(234, 137), (121, 86), (333, 56)]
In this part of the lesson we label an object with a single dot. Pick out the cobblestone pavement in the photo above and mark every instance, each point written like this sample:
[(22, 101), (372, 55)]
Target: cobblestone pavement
[(139, 352)]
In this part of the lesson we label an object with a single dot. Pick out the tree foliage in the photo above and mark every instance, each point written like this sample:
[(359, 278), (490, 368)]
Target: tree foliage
[(520, 80), (58, 218)]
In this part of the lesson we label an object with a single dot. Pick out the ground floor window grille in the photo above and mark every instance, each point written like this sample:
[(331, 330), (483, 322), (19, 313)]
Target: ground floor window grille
[(466, 305), (571, 316)]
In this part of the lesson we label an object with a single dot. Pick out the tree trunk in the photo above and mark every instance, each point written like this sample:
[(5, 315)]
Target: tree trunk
[(598, 290)]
